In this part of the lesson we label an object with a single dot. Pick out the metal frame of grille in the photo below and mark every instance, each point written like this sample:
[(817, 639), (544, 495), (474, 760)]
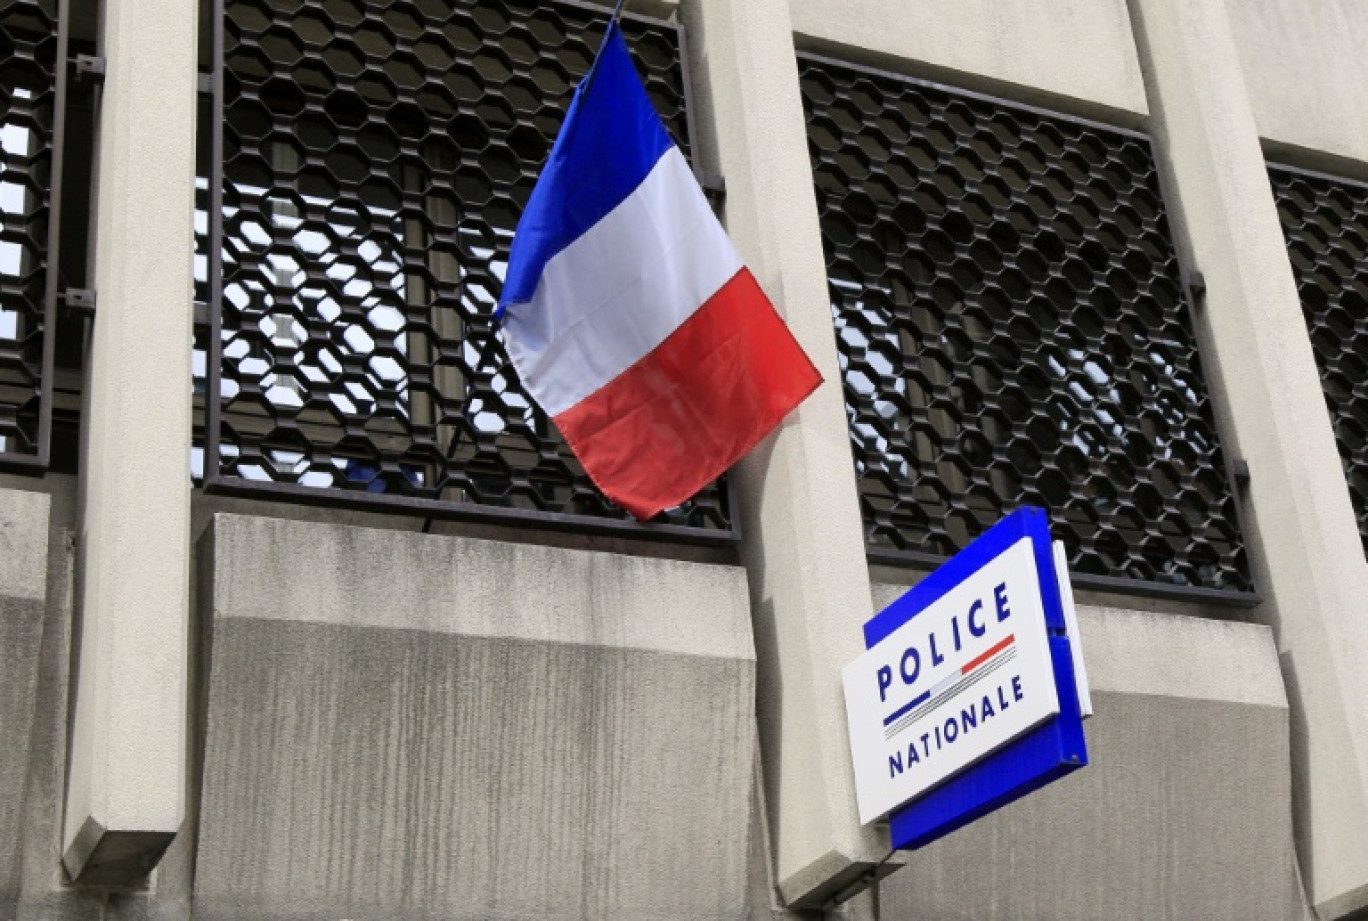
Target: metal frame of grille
[(367, 166), (34, 36), (1014, 328), (1325, 222)]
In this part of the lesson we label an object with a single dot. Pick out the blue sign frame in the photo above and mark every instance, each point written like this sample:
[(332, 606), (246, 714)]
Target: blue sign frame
[(1042, 755)]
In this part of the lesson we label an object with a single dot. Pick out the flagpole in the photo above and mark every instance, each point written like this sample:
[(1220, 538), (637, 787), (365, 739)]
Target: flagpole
[(486, 349), (484, 353), (612, 21)]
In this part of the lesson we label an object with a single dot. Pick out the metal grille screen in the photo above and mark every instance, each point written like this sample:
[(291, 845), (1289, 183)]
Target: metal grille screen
[(1325, 221), (375, 159), (28, 91), (1013, 330)]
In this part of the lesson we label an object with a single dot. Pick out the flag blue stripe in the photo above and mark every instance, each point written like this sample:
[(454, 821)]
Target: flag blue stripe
[(610, 141)]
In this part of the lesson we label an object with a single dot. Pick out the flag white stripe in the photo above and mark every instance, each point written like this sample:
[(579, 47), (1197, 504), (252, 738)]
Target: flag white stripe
[(613, 295)]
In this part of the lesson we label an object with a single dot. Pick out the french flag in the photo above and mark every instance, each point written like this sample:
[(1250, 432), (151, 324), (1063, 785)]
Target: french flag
[(628, 313)]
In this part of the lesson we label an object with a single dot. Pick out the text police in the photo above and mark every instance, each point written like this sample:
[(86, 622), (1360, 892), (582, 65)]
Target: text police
[(910, 663)]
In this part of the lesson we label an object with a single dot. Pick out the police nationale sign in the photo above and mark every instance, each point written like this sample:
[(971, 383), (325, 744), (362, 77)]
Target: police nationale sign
[(960, 672)]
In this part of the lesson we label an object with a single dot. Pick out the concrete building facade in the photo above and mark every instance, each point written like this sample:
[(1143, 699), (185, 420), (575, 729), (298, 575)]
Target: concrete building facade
[(307, 614)]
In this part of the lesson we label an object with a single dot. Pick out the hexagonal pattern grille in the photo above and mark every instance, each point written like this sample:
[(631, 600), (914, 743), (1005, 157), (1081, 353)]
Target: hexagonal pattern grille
[(1013, 330), (28, 81), (376, 157), (1325, 221)]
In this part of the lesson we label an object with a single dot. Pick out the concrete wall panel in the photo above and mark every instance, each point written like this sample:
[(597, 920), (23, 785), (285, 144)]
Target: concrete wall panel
[(413, 726), (1306, 74), (1079, 50)]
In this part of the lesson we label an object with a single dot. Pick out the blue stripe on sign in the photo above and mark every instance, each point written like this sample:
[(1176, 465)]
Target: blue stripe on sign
[(903, 709), (610, 141)]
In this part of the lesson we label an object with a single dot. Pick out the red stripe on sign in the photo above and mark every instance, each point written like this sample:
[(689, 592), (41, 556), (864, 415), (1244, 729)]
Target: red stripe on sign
[(694, 405), (975, 663)]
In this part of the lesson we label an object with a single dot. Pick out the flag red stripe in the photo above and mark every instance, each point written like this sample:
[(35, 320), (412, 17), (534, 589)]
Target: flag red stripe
[(694, 405)]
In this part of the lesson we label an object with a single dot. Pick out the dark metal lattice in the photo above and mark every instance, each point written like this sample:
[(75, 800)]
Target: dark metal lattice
[(1325, 221), (29, 78), (375, 159), (1013, 330)]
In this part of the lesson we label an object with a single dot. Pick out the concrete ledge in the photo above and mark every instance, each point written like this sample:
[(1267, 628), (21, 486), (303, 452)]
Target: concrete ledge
[(1132, 652), (405, 725), (355, 577), (1184, 812)]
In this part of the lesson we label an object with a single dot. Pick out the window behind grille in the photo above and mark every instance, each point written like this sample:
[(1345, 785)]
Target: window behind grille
[(1013, 329)]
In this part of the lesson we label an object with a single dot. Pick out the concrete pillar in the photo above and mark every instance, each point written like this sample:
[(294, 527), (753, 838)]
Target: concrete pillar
[(804, 539), (125, 790), (1305, 544)]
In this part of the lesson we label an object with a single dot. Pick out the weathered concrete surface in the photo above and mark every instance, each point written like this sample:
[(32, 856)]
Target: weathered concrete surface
[(1184, 811), (1301, 531), (43, 892), (23, 595), (409, 726), (1307, 74), (1078, 53)]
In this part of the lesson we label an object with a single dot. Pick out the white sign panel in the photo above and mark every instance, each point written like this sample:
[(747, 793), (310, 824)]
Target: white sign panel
[(966, 675)]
